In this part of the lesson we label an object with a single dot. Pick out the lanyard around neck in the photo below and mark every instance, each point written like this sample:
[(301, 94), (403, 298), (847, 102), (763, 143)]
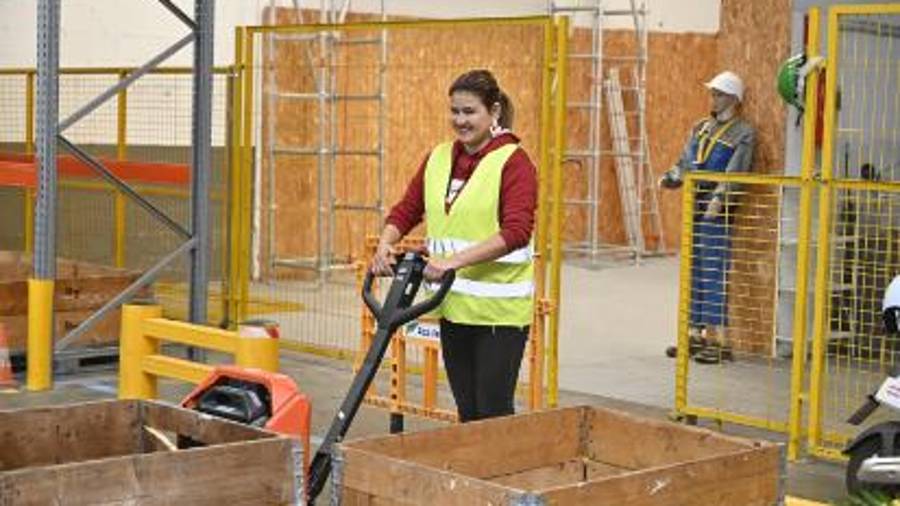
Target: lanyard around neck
[(706, 143)]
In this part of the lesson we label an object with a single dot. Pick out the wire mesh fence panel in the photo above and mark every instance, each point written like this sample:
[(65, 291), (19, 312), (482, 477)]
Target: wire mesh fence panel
[(13, 112), (858, 353), (867, 131), (86, 219), (12, 223), (142, 135), (13, 142), (728, 367), (853, 354), (340, 130)]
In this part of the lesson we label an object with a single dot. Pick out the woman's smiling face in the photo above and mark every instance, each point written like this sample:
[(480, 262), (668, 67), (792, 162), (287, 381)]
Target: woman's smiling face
[(471, 120)]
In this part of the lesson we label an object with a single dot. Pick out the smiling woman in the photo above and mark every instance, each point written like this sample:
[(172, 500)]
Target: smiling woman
[(477, 195)]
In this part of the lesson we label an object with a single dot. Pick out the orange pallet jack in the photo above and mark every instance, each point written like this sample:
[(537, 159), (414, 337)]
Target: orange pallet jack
[(254, 397), (273, 401)]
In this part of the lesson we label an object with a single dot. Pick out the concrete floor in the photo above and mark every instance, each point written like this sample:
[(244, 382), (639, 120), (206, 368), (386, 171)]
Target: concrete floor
[(616, 322)]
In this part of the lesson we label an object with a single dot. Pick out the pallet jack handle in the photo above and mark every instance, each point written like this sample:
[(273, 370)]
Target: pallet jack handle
[(396, 311), (411, 313)]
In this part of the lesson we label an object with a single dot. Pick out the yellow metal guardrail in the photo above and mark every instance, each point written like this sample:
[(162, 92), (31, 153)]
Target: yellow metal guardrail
[(850, 354), (849, 235), (144, 331)]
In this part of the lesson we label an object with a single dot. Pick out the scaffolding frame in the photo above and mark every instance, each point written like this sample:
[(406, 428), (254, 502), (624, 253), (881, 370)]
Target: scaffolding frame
[(592, 155), (327, 150)]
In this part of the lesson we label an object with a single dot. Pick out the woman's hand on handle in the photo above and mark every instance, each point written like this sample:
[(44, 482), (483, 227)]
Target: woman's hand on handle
[(384, 260), (436, 268)]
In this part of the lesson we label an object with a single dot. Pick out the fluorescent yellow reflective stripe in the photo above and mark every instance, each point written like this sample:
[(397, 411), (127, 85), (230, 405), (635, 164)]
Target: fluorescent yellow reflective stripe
[(486, 289), (447, 247)]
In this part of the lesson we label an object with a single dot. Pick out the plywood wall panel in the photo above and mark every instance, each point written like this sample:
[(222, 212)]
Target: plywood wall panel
[(754, 40), (422, 63)]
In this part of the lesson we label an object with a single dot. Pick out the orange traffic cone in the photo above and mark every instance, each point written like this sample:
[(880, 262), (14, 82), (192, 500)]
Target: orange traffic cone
[(6, 375)]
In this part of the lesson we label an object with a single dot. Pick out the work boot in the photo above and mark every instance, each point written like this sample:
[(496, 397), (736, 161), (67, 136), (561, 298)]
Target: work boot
[(716, 348), (696, 342)]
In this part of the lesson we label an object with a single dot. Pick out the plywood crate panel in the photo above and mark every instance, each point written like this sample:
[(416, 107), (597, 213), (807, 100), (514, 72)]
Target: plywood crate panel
[(111, 453), (572, 456)]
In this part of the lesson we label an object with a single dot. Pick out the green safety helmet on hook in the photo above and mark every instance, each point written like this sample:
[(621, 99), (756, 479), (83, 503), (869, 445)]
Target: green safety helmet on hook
[(792, 78)]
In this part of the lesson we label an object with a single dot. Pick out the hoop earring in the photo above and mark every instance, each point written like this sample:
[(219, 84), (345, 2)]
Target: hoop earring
[(496, 129)]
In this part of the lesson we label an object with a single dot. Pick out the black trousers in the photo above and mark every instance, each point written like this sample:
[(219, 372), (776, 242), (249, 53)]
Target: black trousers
[(482, 363)]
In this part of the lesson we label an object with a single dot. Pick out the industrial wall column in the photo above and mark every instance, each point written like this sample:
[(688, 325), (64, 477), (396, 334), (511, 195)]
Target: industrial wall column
[(50, 131), (201, 144), (40, 286)]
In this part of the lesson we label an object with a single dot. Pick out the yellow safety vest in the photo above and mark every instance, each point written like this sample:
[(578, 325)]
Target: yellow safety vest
[(500, 292)]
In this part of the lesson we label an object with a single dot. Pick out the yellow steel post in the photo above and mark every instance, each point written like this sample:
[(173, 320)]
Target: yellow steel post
[(134, 347), (122, 120), (234, 185), (246, 174), (258, 352), (823, 285), (798, 365), (121, 154), (223, 229), (684, 296), (119, 214), (538, 331), (29, 149), (430, 377), (29, 112), (559, 144)]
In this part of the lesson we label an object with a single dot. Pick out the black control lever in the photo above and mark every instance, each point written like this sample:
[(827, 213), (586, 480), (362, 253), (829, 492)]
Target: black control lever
[(396, 311), (860, 415)]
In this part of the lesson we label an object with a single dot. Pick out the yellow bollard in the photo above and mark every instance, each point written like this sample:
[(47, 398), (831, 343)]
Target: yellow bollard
[(134, 383), (256, 347), (40, 335)]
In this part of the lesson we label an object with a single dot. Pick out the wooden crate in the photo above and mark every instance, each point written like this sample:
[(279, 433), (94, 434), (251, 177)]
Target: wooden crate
[(573, 456), (104, 453), (80, 289)]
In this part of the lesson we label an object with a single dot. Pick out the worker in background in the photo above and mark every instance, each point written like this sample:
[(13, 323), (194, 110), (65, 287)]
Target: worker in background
[(477, 195), (720, 142)]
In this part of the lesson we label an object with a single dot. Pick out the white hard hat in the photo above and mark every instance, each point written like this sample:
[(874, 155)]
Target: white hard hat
[(892, 294), (728, 82), (890, 306)]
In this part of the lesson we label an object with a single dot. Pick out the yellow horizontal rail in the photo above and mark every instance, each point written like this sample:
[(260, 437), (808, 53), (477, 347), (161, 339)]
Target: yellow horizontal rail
[(723, 416), (764, 179), (112, 70), (796, 501), (322, 351), (143, 333), (827, 453), (892, 8), (191, 335), (860, 185), (159, 191), (175, 368), (403, 24), (412, 409)]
